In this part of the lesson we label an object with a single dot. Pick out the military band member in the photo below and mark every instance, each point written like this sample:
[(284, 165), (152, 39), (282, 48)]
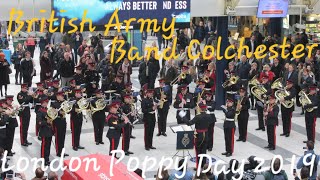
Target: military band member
[(211, 106), (286, 113), (78, 76), (115, 126), (54, 89), (117, 84), (183, 102), (24, 98), (92, 79), (127, 128), (202, 122), (76, 118), (128, 90), (98, 118), (197, 96), (11, 125), (161, 93), (271, 120), (188, 79), (260, 105), (45, 130), (311, 114), (229, 127), (231, 89), (3, 120), (149, 118), (243, 105), (38, 94), (59, 124), (206, 76), (72, 87)]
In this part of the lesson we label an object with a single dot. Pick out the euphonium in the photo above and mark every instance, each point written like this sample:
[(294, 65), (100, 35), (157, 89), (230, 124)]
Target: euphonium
[(304, 100), (282, 93), (259, 92), (254, 81)]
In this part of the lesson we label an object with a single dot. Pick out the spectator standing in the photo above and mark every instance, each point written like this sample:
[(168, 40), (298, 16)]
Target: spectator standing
[(46, 71), (77, 39), (268, 175), (31, 45), (126, 70), (16, 60), (56, 38), (199, 34), (4, 73), (27, 68), (309, 154), (66, 69)]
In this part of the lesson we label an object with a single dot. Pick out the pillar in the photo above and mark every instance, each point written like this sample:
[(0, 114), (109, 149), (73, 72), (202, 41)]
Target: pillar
[(275, 26), (222, 31)]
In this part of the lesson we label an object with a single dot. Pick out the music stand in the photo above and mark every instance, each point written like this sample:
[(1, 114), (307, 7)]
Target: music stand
[(185, 136)]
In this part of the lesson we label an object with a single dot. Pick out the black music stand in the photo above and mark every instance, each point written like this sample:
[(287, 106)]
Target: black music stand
[(185, 136)]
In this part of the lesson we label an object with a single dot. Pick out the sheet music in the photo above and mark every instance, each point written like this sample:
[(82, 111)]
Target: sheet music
[(180, 128)]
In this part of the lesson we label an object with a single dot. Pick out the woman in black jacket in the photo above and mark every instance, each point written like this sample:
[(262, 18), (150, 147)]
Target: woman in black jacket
[(66, 69), (4, 73)]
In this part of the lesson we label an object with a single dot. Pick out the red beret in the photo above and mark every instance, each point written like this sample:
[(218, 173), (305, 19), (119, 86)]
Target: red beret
[(72, 80), (243, 89), (60, 93), (77, 91), (312, 88), (45, 99), (161, 80), (39, 84), (289, 81), (25, 85), (185, 67), (229, 100), (202, 106), (98, 91), (183, 87), (127, 96), (272, 97), (128, 84), (9, 97), (150, 90), (56, 81)]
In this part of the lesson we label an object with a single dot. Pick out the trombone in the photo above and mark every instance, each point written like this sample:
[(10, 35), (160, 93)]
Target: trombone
[(175, 81)]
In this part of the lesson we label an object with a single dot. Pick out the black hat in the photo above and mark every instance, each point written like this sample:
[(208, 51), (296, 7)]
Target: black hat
[(97, 91)]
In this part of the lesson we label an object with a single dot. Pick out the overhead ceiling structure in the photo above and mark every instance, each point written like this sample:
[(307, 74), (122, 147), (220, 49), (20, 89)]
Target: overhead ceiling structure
[(31, 8)]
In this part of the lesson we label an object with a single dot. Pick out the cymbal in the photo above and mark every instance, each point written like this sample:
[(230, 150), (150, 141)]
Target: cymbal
[(110, 91)]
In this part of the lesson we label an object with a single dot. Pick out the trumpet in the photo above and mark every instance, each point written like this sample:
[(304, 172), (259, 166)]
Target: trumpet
[(15, 111), (175, 81)]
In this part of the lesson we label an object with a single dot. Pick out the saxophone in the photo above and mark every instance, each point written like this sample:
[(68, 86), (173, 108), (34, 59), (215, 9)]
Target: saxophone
[(162, 99), (238, 109)]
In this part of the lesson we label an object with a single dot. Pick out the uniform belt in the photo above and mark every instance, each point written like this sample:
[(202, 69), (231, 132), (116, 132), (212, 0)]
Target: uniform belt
[(231, 92), (210, 113), (244, 79), (201, 130), (112, 128), (228, 119), (25, 105), (315, 107), (152, 112), (3, 127), (39, 104), (181, 109)]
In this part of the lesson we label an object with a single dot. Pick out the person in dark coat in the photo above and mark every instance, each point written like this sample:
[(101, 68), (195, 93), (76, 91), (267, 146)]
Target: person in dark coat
[(199, 34), (77, 38), (4, 73), (66, 69), (46, 71), (18, 54), (148, 71), (27, 68)]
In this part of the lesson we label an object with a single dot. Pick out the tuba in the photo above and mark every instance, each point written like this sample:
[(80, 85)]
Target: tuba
[(231, 81), (304, 100), (282, 93)]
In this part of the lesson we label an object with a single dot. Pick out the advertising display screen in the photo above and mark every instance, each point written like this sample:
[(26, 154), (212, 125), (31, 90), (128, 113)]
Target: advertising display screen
[(100, 11), (272, 8)]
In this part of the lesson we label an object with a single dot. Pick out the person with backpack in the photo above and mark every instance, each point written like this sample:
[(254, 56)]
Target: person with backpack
[(282, 175), (308, 155)]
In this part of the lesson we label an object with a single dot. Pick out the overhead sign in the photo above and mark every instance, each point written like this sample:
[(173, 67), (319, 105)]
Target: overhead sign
[(100, 11), (272, 8)]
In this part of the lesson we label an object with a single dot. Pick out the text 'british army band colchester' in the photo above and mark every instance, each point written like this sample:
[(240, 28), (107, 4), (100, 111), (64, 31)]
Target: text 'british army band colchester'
[(115, 104)]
